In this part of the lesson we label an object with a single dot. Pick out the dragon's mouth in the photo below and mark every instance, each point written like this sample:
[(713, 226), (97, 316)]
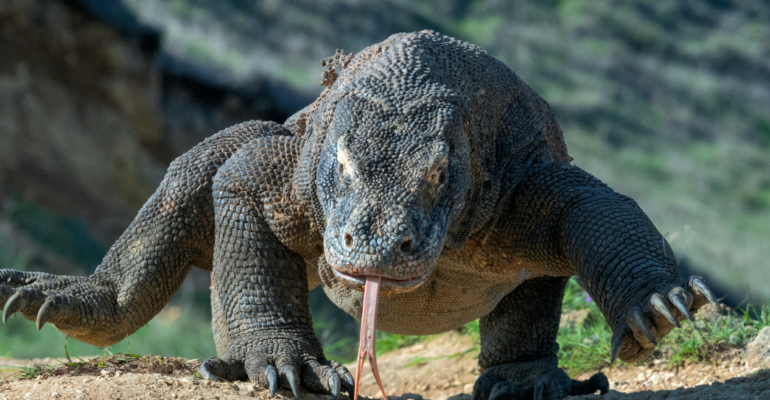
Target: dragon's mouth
[(388, 284)]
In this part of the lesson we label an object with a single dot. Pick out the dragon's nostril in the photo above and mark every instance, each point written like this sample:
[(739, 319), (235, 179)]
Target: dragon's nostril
[(348, 239), (406, 247)]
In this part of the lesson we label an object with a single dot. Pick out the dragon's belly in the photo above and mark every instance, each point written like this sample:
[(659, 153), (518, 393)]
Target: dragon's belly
[(453, 295)]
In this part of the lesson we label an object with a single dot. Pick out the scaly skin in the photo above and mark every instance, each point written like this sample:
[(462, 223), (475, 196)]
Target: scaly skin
[(428, 164)]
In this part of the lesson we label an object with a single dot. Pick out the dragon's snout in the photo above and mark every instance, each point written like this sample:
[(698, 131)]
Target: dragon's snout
[(383, 235)]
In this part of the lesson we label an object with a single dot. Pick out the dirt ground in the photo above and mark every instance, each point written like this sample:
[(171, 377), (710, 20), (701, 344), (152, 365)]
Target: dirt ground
[(433, 370), (436, 370)]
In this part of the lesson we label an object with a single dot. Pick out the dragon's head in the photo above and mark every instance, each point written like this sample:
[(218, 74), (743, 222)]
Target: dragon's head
[(394, 171)]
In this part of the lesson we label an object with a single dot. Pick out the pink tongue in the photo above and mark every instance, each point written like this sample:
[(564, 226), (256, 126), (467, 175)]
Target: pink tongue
[(366, 347)]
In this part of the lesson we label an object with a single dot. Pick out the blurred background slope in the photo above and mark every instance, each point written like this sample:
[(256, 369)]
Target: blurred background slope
[(667, 102)]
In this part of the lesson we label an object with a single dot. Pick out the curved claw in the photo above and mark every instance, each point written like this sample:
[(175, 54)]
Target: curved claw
[(660, 306), (348, 378), (335, 386), (11, 306), (205, 373), (503, 391), (676, 298), (272, 380), (698, 285), (617, 340), (44, 314), (293, 378), (539, 389), (348, 384), (598, 382), (639, 321)]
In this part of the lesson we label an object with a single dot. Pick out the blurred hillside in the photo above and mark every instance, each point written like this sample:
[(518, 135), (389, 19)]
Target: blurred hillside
[(667, 102)]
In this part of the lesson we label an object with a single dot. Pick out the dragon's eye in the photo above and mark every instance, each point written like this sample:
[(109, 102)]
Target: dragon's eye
[(340, 169)]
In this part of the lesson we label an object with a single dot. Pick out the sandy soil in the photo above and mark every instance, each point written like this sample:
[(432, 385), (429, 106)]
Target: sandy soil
[(441, 369), (123, 377), (436, 370)]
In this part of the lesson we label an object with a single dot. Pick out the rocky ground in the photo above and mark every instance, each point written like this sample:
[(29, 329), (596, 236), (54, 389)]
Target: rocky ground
[(430, 370)]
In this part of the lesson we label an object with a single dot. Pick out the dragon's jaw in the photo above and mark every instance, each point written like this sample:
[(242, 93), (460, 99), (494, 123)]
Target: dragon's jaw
[(366, 348)]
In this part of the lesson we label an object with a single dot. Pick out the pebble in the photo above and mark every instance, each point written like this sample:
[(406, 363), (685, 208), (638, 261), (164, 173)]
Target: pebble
[(757, 353)]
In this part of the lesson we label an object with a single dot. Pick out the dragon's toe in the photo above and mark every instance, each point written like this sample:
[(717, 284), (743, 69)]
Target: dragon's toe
[(541, 379), (75, 305), (647, 323), (283, 364)]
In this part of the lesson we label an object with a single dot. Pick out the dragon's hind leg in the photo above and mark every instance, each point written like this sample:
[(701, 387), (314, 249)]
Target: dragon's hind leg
[(173, 231)]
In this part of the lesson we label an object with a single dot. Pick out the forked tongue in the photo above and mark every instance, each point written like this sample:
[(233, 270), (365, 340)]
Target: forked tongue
[(366, 349)]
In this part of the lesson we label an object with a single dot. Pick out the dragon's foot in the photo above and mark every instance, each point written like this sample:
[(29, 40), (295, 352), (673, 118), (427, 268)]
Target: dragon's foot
[(540, 379), (278, 363), (77, 306), (647, 323)]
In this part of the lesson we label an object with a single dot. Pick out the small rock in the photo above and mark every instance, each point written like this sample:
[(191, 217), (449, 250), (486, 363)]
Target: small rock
[(711, 314), (54, 394), (757, 353), (592, 340), (461, 396), (86, 380), (573, 318)]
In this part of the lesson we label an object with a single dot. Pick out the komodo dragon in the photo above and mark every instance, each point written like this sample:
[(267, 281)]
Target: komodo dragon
[(428, 173)]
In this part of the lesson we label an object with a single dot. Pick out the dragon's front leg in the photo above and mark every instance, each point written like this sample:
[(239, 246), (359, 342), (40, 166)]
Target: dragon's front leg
[(567, 222), (518, 347), (262, 284)]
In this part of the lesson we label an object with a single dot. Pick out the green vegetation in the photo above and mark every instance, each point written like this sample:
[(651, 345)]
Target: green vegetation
[(585, 345), (22, 372), (171, 333), (388, 341)]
